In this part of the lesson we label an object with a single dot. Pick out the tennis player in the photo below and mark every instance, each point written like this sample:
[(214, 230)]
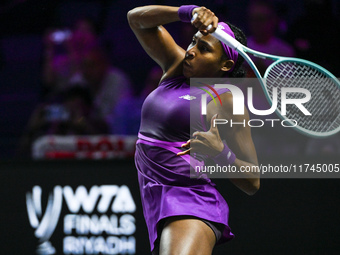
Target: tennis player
[(187, 215)]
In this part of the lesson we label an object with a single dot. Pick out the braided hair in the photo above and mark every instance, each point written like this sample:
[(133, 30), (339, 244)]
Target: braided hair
[(238, 71)]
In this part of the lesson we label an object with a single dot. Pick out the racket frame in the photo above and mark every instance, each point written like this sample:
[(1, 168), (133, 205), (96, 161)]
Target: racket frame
[(243, 50)]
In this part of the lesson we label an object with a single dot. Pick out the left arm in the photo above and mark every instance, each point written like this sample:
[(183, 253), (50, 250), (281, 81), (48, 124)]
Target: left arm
[(238, 138)]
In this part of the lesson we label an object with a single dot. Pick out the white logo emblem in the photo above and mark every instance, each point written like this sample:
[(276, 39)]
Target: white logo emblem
[(220, 27), (88, 220), (48, 221), (188, 97)]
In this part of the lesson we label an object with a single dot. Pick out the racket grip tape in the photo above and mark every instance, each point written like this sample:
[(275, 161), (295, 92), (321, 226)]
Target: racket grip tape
[(220, 35), (195, 16)]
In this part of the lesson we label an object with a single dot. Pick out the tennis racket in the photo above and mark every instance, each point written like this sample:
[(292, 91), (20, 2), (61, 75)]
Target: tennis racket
[(288, 72)]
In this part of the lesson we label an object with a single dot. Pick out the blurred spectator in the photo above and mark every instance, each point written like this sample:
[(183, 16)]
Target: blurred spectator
[(125, 120), (57, 65), (76, 57), (316, 35), (107, 84), (64, 49), (85, 25), (263, 24), (83, 40), (68, 114)]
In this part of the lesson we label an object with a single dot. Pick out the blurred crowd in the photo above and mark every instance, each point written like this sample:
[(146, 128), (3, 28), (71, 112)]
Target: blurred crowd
[(83, 93)]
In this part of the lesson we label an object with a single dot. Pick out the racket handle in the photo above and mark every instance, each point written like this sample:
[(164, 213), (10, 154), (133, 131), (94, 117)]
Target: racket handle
[(195, 16), (225, 38), (220, 35)]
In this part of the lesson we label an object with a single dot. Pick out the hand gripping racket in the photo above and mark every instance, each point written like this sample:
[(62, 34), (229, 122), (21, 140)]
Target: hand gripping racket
[(287, 72)]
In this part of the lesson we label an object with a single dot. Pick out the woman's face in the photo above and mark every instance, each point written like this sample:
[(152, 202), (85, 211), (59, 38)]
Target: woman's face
[(203, 58)]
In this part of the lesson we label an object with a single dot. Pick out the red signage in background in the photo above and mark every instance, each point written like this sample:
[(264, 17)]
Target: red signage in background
[(82, 147)]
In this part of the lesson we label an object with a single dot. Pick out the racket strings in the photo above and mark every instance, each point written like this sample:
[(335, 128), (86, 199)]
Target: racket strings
[(324, 104)]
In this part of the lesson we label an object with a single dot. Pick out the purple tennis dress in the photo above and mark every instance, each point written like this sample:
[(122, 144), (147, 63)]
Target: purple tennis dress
[(164, 178)]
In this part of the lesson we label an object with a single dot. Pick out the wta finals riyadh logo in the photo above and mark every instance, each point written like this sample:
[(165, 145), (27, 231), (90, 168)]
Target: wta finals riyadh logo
[(48, 221)]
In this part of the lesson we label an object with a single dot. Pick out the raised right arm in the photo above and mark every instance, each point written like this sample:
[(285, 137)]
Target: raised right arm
[(146, 22)]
